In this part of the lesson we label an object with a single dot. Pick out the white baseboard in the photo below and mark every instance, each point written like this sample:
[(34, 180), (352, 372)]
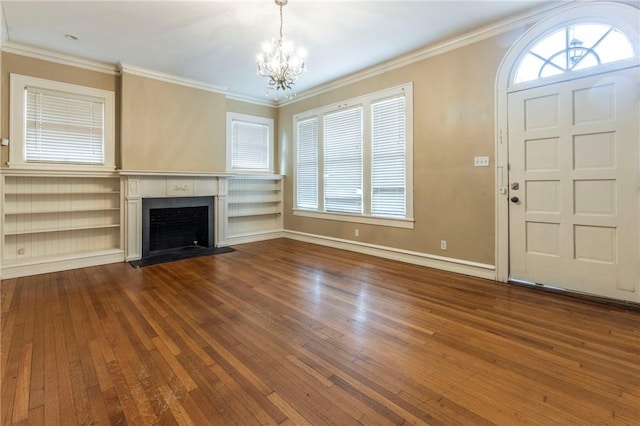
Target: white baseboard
[(250, 238), (474, 269), (459, 266), (60, 263)]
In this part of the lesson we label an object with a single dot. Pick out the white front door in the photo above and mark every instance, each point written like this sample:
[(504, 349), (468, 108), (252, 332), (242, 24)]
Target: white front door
[(574, 185)]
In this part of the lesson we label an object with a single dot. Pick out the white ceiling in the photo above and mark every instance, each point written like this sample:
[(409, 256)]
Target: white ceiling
[(216, 42)]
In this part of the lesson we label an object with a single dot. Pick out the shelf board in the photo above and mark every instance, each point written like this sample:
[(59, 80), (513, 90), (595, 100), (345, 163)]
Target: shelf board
[(71, 228), (244, 190), (236, 193), (249, 214), (271, 176), (63, 193), (253, 201), (9, 213)]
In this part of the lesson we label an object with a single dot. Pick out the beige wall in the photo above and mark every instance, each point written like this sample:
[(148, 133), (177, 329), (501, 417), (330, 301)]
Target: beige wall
[(18, 64), (454, 120), (169, 127)]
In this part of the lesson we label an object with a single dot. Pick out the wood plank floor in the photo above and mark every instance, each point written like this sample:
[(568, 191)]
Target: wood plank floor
[(284, 332)]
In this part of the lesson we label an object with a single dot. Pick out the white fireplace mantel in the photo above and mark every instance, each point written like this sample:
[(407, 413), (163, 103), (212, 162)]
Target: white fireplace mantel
[(151, 184)]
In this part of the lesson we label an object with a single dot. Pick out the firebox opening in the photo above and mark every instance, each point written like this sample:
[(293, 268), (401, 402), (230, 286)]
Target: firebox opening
[(178, 227), (178, 222)]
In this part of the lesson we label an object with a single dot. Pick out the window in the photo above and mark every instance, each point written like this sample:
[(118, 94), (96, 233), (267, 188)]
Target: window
[(343, 161), (572, 48), (354, 160), (388, 152), (307, 162), (249, 143), (60, 125)]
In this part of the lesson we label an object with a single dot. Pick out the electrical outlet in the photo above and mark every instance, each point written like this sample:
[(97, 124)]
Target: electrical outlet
[(356, 232), (443, 244), (481, 161)]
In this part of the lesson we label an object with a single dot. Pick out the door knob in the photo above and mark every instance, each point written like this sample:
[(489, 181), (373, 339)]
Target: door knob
[(515, 199)]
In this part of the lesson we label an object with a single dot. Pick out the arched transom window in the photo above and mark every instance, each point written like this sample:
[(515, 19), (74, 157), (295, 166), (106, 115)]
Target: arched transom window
[(571, 48)]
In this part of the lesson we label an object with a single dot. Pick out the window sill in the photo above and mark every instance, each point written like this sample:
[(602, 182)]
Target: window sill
[(369, 220), (57, 168)]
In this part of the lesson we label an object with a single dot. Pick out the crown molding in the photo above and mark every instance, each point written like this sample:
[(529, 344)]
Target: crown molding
[(252, 100), (471, 37), (482, 33), (169, 78), (59, 58), (117, 69)]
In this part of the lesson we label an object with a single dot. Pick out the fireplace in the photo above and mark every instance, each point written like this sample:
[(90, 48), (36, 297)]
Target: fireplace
[(172, 223)]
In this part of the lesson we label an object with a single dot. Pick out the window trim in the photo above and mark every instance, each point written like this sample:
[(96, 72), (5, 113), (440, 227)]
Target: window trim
[(394, 222), (554, 24), (254, 119), (365, 101), (17, 112)]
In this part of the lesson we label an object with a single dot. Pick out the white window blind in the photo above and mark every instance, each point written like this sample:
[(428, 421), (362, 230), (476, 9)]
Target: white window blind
[(343, 161), (388, 159), (250, 146), (307, 164), (354, 159), (63, 128)]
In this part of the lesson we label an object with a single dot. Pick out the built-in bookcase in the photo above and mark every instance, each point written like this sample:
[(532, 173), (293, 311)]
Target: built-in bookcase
[(254, 206), (50, 219)]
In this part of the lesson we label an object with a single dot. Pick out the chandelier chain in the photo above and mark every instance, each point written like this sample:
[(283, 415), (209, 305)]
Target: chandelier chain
[(281, 21)]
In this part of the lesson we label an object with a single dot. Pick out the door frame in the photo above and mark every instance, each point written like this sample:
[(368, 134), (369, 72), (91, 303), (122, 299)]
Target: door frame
[(621, 15)]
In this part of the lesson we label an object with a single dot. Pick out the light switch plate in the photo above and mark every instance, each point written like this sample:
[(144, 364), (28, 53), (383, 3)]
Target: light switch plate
[(481, 161)]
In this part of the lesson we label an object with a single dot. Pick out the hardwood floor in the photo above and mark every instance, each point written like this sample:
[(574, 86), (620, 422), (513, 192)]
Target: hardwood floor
[(283, 332)]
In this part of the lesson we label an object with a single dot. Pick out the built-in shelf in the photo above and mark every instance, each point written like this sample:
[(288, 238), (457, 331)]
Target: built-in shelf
[(53, 217), (254, 205)]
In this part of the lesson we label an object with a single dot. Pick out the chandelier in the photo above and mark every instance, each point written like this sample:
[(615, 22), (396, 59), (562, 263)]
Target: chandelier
[(278, 62)]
